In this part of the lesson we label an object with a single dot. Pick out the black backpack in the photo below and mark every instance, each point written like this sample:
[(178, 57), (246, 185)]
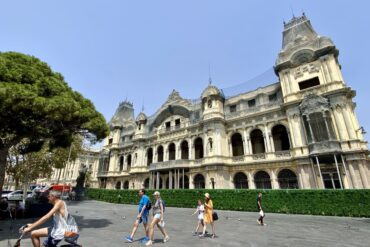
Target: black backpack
[(149, 206)]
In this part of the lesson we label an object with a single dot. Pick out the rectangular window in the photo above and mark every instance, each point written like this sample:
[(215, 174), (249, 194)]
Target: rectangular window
[(232, 108), (168, 126), (252, 102), (110, 141), (273, 97), (309, 83), (177, 123)]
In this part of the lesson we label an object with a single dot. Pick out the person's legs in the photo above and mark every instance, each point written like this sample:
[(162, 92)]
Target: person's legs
[(151, 230), (204, 229), (213, 230), (37, 234), (134, 229), (145, 224)]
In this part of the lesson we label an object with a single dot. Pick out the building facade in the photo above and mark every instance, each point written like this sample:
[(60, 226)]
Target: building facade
[(300, 132), (88, 160)]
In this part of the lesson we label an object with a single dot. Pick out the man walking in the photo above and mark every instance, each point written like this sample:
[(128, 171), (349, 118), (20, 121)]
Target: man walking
[(259, 206), (142, 217)]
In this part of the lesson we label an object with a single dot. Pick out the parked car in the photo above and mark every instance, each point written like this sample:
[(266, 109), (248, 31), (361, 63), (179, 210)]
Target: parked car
[(5, 192), (16, 195)]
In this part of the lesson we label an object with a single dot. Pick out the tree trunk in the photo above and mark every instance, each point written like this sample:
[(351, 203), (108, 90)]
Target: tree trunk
[(59, 173), (3, 156)]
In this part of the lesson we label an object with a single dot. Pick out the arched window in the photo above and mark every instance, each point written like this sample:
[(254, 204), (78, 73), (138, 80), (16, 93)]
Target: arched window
[(129, 158), (171, 151), (149, 156), (237, 144), (146, 183), (199, 182), (118, 185), (160, 153), (280, 137), (240, 181), (262, 180), (126, 185), (184, 150), (198, 146), (121, 163), (258, 144), (186, 182), (287, 179)]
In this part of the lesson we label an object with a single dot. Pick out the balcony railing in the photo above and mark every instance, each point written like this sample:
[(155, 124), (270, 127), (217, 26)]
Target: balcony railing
[(170, 164)]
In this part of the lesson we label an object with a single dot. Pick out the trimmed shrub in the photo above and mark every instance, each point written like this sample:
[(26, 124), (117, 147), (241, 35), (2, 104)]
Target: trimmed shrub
[(354, 203)]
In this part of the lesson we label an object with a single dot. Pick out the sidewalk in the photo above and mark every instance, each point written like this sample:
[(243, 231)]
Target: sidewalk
[(104, 225)]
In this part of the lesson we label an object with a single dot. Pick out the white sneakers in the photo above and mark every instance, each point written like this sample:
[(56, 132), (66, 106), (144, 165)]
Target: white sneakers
[(150, 242)]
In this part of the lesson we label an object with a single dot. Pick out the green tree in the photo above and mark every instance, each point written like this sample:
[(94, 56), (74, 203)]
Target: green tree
[(36, 103)]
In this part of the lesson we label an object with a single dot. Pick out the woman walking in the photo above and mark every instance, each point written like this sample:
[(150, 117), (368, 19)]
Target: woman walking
[(158, 213), (208, 218)]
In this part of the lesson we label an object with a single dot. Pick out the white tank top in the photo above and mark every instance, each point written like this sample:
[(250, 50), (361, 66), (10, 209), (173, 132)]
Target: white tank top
[(59, 227)]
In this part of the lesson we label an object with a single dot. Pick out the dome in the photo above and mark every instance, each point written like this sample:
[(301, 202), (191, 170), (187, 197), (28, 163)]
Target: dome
[(212, 91), (141, 117)]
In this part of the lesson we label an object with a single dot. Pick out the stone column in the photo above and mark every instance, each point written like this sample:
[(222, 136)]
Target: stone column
[(246, 143), (292, 134), (339, 175), (183, 178), (310, 129), (363, 174), (317, 186), (251, 184), (340, 123), (267, 138), (170, 180), (157, 185), (274, 180), (150, 180), (191, 182), (349, 124), (318, 165), (348, 176)]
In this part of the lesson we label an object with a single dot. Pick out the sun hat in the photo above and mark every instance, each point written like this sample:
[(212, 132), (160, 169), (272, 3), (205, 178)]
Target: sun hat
[(206, 195), (156, 193)]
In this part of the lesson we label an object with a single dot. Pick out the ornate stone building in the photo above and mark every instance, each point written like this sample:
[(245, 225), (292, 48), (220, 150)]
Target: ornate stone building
[(300, 132), (88, 159)]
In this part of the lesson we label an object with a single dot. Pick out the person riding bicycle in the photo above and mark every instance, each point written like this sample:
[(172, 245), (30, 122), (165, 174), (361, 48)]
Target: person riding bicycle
[(59, 212)]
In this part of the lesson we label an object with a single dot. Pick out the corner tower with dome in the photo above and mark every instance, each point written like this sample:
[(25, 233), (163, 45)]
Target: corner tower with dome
[(299, 132)]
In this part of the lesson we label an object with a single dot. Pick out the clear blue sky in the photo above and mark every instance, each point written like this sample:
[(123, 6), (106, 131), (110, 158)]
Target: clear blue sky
[(109, 50)]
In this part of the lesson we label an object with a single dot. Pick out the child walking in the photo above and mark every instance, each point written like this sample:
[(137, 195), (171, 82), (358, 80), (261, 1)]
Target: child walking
[(200, 211)]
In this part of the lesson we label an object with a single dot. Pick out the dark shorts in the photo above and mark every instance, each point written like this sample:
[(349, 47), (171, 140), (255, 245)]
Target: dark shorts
[(50, 241)]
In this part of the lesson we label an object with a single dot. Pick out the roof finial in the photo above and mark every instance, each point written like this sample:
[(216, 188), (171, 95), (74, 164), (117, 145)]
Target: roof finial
[(209, 75), (292, 11), (142, 106)]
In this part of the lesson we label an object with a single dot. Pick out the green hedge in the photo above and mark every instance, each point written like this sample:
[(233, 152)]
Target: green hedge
[(355, 203)]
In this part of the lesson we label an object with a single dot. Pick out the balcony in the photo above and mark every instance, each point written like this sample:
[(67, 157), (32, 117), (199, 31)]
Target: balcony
[(170, 164), (323, 147)]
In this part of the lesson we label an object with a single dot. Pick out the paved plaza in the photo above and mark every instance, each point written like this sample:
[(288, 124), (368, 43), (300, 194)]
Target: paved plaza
[(104, 224)]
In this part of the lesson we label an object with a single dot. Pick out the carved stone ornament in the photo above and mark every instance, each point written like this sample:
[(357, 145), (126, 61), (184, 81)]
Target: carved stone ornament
[(314, 103), (307, 68)]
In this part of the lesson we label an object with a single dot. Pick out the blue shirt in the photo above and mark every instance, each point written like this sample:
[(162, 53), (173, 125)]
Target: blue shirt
[(144, 202)]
